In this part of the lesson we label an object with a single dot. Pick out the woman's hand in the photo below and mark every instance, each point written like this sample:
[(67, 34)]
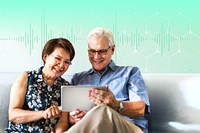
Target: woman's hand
[(51, 112)]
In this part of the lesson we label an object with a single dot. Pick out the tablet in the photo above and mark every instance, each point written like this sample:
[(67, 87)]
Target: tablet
[(76, 97)]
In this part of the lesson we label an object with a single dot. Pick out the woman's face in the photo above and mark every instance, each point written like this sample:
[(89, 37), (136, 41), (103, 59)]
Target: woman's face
[(57, 63)]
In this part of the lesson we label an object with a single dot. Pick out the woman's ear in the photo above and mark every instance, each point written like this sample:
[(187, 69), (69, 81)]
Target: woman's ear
[(44, 58)]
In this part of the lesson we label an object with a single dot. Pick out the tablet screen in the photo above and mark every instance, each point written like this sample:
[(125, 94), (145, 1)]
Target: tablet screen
[(76, 97)]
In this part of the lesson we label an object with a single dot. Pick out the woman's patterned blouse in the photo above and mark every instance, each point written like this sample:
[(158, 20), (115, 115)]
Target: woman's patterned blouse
[(39, 96)]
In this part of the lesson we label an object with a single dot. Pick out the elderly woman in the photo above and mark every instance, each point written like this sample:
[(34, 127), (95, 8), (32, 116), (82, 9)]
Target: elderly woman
[(35, 95)]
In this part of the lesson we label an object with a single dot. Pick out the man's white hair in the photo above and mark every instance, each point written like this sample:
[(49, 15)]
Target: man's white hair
[(102, 32)]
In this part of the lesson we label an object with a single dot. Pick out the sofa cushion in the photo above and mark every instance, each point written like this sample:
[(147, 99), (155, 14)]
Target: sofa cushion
[(4, 100)]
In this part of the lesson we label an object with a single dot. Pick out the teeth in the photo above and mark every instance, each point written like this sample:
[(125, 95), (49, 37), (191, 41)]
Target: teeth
[(58, 70), (98, 61)]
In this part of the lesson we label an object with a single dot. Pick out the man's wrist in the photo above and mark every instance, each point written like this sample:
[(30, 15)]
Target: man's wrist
[(120, 107)]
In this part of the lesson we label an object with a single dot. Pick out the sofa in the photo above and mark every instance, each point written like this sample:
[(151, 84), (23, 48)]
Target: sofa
[(174, 98)]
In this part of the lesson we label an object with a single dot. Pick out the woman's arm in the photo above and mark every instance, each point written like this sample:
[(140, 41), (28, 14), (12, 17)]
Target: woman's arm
[(17, 99)]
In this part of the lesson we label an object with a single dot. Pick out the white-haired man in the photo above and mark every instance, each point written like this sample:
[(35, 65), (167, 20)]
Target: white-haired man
[(122, 108)]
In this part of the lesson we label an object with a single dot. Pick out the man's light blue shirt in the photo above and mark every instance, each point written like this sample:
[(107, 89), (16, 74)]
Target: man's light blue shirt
[(125, 82)]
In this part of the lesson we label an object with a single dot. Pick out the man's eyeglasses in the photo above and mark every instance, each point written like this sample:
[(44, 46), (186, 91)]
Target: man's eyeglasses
[(59, 59), (101, 52)]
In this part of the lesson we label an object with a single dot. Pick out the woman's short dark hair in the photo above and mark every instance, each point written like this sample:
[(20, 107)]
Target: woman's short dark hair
[(50, 46)]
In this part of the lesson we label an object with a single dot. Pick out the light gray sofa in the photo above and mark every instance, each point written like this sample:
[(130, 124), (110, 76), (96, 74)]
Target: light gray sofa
[(175, 101)]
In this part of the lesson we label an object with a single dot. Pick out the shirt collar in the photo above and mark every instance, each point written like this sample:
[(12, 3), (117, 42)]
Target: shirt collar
[(111, 65)]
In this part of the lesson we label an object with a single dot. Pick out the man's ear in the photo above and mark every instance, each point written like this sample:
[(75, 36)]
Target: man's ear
[(113, 49)]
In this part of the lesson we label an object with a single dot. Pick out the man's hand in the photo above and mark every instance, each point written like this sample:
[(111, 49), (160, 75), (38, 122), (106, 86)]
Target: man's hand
[(100, 97), (75, 116)]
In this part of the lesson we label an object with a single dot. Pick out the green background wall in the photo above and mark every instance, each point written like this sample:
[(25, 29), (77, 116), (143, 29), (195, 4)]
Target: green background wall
[(158, 36)]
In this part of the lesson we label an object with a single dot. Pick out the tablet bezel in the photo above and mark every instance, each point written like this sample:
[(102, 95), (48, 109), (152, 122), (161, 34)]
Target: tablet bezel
[(76, 97)]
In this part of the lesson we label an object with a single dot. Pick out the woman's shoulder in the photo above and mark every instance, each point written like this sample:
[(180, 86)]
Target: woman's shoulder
[(23, 75), (21, 79)]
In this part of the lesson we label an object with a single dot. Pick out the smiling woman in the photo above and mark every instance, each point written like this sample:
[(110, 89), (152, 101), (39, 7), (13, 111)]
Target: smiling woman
[(35, 95)]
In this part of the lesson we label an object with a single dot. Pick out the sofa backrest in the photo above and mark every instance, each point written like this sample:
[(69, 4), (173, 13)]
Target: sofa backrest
[(6, 81), (174, 101)]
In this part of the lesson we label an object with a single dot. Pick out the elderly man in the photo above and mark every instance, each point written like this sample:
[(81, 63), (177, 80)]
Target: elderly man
[(121, 109)]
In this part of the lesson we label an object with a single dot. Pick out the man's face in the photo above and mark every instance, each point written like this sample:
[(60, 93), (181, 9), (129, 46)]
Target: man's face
[(102, 58)]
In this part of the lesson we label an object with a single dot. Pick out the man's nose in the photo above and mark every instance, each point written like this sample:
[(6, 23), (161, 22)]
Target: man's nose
[(96, 55)]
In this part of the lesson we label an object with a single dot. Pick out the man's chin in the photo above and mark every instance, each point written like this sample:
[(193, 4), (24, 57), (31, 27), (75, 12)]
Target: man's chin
[(99, 69)]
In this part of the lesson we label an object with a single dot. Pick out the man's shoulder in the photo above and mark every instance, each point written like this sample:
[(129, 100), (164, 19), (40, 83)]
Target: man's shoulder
[(130, 68), (127, 70), (79, 77)]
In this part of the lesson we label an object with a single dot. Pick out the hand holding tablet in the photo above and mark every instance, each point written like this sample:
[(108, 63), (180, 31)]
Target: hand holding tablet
[(76, 97)]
